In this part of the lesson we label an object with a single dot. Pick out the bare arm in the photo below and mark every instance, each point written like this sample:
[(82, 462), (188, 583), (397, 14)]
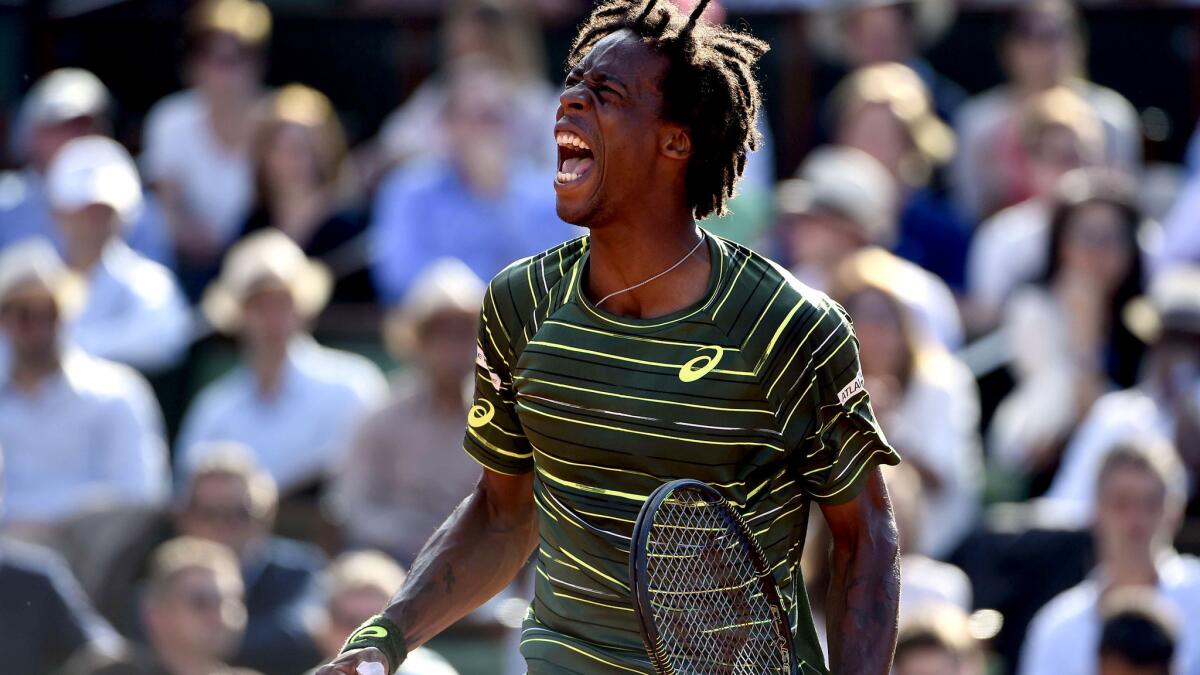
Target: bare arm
[(864, 587), (474, 555)]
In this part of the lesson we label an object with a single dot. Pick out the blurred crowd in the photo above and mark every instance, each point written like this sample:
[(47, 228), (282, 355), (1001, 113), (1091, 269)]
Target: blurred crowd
[(234, 368)]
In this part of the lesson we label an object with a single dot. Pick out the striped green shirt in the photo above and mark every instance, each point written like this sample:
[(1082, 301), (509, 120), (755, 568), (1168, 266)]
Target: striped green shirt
[(756, 390)]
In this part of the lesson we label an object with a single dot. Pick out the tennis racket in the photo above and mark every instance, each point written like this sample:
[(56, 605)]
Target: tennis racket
[(703, 593)]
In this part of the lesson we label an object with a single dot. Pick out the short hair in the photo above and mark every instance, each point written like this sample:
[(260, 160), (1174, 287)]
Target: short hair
[(1155, 457), (944, 628), (1060, 107), (710, 87), (1138, 628), (249, 21), (230, 458), (363, 571), (184, 554)]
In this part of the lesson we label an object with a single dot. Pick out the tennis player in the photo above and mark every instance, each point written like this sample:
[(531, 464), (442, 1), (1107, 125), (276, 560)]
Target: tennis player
[(648, 351)]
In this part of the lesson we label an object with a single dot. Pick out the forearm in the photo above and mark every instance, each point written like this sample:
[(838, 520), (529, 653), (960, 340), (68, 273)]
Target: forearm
[(864, 592), (473, 556)]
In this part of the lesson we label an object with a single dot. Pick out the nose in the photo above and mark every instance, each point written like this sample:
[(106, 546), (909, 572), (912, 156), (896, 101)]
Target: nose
[(575, 99)]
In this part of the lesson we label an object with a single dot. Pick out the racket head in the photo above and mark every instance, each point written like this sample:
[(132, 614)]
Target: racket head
[(774, 636)]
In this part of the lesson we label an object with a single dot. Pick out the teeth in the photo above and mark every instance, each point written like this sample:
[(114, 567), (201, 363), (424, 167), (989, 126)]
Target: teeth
[(564, 177), (571, 140)]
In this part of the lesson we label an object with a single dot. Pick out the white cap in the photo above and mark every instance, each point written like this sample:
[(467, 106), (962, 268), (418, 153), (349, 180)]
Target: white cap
[(847, 182), (94, 170), (65, 94), (447, 285)]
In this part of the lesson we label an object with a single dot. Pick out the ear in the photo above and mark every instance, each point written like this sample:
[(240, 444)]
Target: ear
[(676, 142)]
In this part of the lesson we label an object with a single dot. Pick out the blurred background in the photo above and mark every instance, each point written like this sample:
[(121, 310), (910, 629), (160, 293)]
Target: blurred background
[(243, 245)]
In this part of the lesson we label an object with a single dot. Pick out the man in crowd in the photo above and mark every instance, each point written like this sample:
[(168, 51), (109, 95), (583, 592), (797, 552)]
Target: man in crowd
[(45, 617), (357, 585), (841, 202), (1165, 405), (938, 641), (63, 105), (193, 614), (294, 403), (1139, 635), (135, 312), (482, 202), (404, 473), (231, 501), (80, 433), (1139, 500)]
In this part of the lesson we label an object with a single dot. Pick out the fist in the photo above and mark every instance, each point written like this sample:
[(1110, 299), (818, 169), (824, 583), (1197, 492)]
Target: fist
[(366, 661)]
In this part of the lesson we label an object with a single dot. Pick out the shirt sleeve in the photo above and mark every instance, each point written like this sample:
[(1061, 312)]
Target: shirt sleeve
[(494, 435), (840, 440)]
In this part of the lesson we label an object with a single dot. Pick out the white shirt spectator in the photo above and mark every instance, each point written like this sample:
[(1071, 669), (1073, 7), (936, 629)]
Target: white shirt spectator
[(135, 312), (90, 436), (935, 425), (217, 184), (1113, 418), (1181, 228), (1008, 251), (1064, 637), (303, 432)]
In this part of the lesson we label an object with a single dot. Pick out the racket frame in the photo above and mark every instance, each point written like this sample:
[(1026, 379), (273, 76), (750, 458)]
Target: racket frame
[(639, 561)]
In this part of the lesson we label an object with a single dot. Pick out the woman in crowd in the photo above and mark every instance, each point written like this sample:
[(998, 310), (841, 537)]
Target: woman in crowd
[(923, 397), (1066, 338), (304, 188), (885, 110)]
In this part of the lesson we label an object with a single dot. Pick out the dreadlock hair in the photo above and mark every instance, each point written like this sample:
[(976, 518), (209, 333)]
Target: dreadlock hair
[(709, 88)]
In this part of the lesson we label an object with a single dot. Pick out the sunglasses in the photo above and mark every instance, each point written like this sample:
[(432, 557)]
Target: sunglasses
[(201, 600)]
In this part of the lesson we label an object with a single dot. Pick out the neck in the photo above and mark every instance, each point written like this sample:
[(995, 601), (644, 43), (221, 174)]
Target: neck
[(27, 374), (267, 362), (83, 258), (179, 662), (447, 393), (1131, 569), (628, 252)]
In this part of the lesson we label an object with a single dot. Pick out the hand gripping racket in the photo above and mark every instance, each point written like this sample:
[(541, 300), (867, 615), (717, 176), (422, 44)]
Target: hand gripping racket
[(703, 593)]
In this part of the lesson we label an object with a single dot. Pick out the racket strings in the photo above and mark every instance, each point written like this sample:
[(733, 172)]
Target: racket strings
[(705, 594)]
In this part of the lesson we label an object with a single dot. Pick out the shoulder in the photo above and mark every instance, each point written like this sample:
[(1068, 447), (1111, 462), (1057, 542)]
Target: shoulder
[(143, 276), (220, 395), (1110, 104), (517, 289), (344, 370), (180, 108), (30, 563), (1063, 617), (101, 379)]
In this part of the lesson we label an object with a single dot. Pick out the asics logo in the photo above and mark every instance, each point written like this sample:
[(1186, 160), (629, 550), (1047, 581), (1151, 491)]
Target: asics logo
[(701, 365), (369, 633), (480, 414)]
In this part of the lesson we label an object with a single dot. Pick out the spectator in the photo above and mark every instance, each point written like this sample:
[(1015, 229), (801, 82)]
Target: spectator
[(45, 617), (231, 501), (885, 111), (504, 34), (63, 105), (863, 33), (1066, 337), (292, 401), (1166, 404), (79, 432), (1181, 225), (193, 613), (358, 586), (1043, 48), (927, 583), (925, 399), (1010, 248), (484, 203), (840, 203), (135, 313), (197, 152), (405, 473), (1139, 499), (938, 642), (1138, 636), (305, 188)]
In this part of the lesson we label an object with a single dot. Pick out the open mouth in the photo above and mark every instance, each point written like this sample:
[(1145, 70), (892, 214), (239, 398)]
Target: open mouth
[(575, 158)]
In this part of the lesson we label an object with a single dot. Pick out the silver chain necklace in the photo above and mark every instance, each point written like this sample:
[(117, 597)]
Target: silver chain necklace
[(656, 276)]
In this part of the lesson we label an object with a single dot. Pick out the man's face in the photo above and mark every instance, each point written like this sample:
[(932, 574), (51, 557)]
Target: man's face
[(197, 616), (269, 318), (1057, 151), (927, 661), (880, 34), (347, 611), (29, 317), (89, 229), (819, 241), (613, 106), (1041, 52), (221, 510), (446, 346), (1115, 665), (224, 68), (1130, 512)]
